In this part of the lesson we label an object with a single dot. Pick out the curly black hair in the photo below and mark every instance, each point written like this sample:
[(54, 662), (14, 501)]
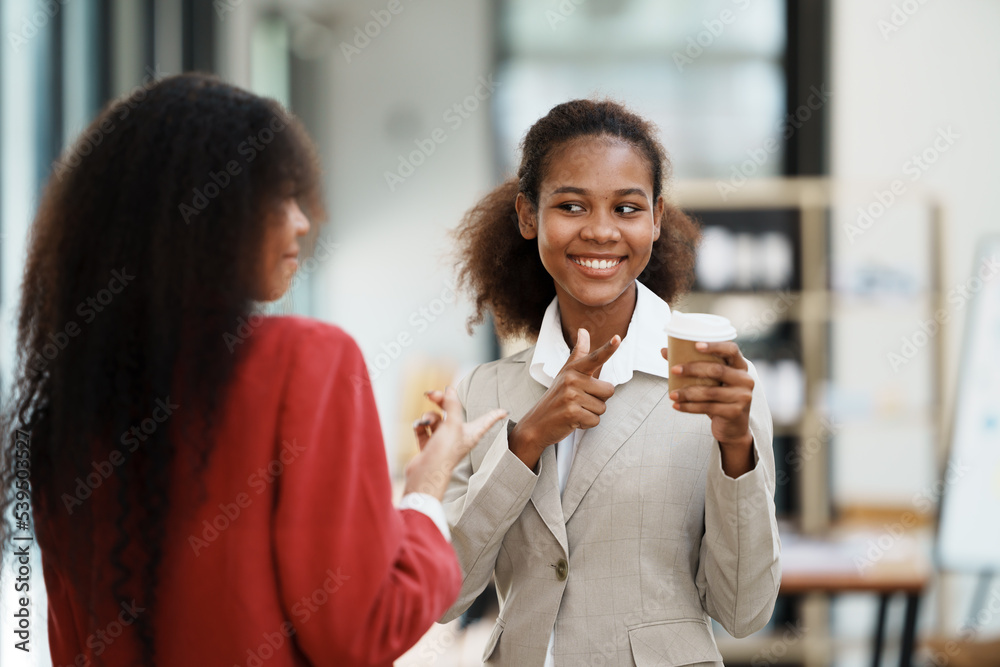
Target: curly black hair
[(503, 271), (141, 258)]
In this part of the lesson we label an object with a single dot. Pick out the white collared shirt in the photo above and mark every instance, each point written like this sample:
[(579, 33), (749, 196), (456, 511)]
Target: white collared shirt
[(639, 351)]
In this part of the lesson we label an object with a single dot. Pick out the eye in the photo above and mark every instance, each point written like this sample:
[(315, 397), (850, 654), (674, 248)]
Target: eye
[(628, 208), (571, 208)]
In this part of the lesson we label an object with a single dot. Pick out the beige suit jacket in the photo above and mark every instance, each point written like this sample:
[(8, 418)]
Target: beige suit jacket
[(649, 539)]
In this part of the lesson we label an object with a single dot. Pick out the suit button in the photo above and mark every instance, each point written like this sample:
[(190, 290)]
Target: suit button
[(562, 569)]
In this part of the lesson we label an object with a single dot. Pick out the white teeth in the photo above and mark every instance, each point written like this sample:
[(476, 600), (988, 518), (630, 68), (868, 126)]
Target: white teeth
[(597, 263)]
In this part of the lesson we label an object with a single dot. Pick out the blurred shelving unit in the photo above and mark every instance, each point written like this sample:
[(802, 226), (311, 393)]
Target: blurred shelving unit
[(778, 260), (788, 320)]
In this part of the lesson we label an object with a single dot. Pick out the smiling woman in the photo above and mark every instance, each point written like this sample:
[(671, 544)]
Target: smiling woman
[(598, 233), (502, 269), (615, 516)]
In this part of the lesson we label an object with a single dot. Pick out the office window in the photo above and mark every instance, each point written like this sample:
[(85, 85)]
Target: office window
[(709, 74)]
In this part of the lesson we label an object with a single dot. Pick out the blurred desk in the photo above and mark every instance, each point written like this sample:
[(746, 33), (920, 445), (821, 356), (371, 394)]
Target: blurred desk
[(860, 564)]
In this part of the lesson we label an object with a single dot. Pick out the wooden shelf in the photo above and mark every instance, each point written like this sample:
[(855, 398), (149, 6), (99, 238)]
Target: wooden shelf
[(813, 308)]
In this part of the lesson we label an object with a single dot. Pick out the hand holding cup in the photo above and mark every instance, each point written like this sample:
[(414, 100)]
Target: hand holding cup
[(709, 376)]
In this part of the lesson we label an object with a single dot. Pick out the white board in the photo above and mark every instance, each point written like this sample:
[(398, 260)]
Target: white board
[(969, 528)]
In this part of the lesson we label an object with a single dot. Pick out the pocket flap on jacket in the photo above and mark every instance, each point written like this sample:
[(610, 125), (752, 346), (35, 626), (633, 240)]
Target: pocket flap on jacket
[(494, 638), (679, 642)]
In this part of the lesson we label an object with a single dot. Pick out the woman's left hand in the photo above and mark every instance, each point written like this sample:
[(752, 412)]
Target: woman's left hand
[(728, 405)]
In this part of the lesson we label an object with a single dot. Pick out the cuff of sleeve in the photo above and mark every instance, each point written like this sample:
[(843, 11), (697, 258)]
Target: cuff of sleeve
[(508, 469), (498, 491), (715, 464), (430, 507), (538, 469)]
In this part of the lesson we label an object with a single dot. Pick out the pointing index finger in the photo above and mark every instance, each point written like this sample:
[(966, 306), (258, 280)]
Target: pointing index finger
[(593, 361)]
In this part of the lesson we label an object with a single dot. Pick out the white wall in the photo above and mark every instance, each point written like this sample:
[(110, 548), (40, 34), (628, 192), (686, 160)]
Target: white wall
[(892, 93), (893, 90), (904, 76), (391, 259), (391, 256), (899, 80)]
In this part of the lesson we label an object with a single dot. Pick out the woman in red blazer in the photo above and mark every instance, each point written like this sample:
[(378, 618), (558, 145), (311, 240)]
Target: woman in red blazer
[(208, 486)]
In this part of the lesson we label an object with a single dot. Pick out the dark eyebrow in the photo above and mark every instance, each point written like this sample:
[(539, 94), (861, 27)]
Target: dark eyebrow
[(569, 189)]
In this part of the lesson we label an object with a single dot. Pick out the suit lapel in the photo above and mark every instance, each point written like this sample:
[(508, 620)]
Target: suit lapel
[(626, 410), (519, 392), (546, 499)]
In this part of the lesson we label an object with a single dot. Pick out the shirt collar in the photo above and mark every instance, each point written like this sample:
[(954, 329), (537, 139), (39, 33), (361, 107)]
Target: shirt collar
[(639, 351)]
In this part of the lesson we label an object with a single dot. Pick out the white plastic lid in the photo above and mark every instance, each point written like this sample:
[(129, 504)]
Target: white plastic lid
[(700, 327)]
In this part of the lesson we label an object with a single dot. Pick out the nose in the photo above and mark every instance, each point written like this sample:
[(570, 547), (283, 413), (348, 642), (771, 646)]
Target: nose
[(300, 220), (600, 227)]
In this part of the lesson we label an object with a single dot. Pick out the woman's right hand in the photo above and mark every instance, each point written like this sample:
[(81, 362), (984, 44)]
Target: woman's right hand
[(575, 400), (444, 441)]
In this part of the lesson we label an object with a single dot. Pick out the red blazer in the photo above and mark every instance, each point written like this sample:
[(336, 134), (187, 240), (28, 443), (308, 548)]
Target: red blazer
[(297, 555)]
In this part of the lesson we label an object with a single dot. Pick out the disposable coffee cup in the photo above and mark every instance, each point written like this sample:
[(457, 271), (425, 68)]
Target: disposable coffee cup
[(686, 329)]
